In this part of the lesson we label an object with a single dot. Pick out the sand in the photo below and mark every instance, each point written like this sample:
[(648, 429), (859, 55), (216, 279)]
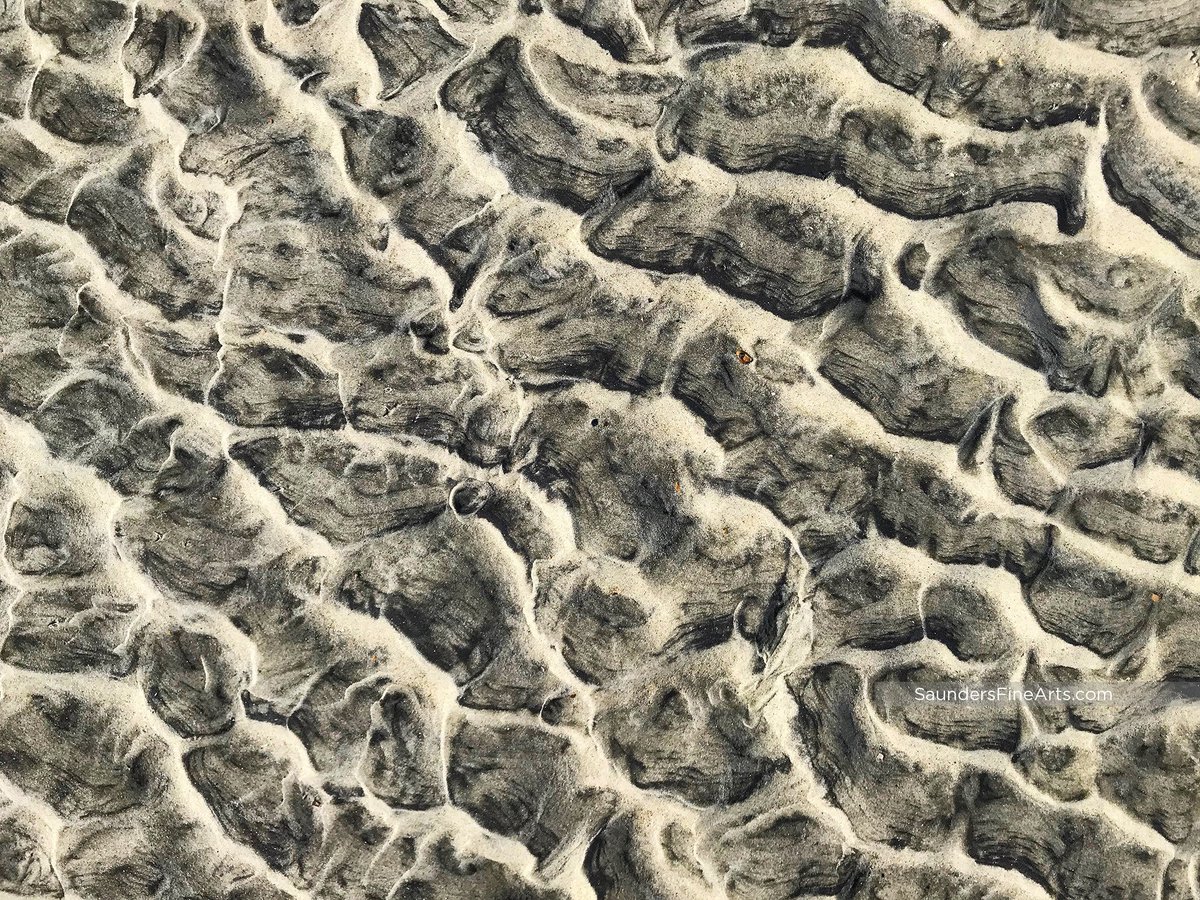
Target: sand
[(498, 450)]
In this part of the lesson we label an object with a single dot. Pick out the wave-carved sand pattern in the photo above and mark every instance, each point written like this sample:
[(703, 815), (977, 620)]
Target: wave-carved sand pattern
[(483, 449)]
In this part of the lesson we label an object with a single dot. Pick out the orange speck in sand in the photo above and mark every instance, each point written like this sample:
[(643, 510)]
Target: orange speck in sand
[(678, 488), (1154, 598), (744, 358)]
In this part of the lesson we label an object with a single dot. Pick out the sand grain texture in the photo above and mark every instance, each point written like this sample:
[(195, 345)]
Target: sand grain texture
[(504, 449)]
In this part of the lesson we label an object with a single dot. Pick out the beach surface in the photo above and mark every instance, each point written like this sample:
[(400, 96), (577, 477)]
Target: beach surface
[(535, 449)]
